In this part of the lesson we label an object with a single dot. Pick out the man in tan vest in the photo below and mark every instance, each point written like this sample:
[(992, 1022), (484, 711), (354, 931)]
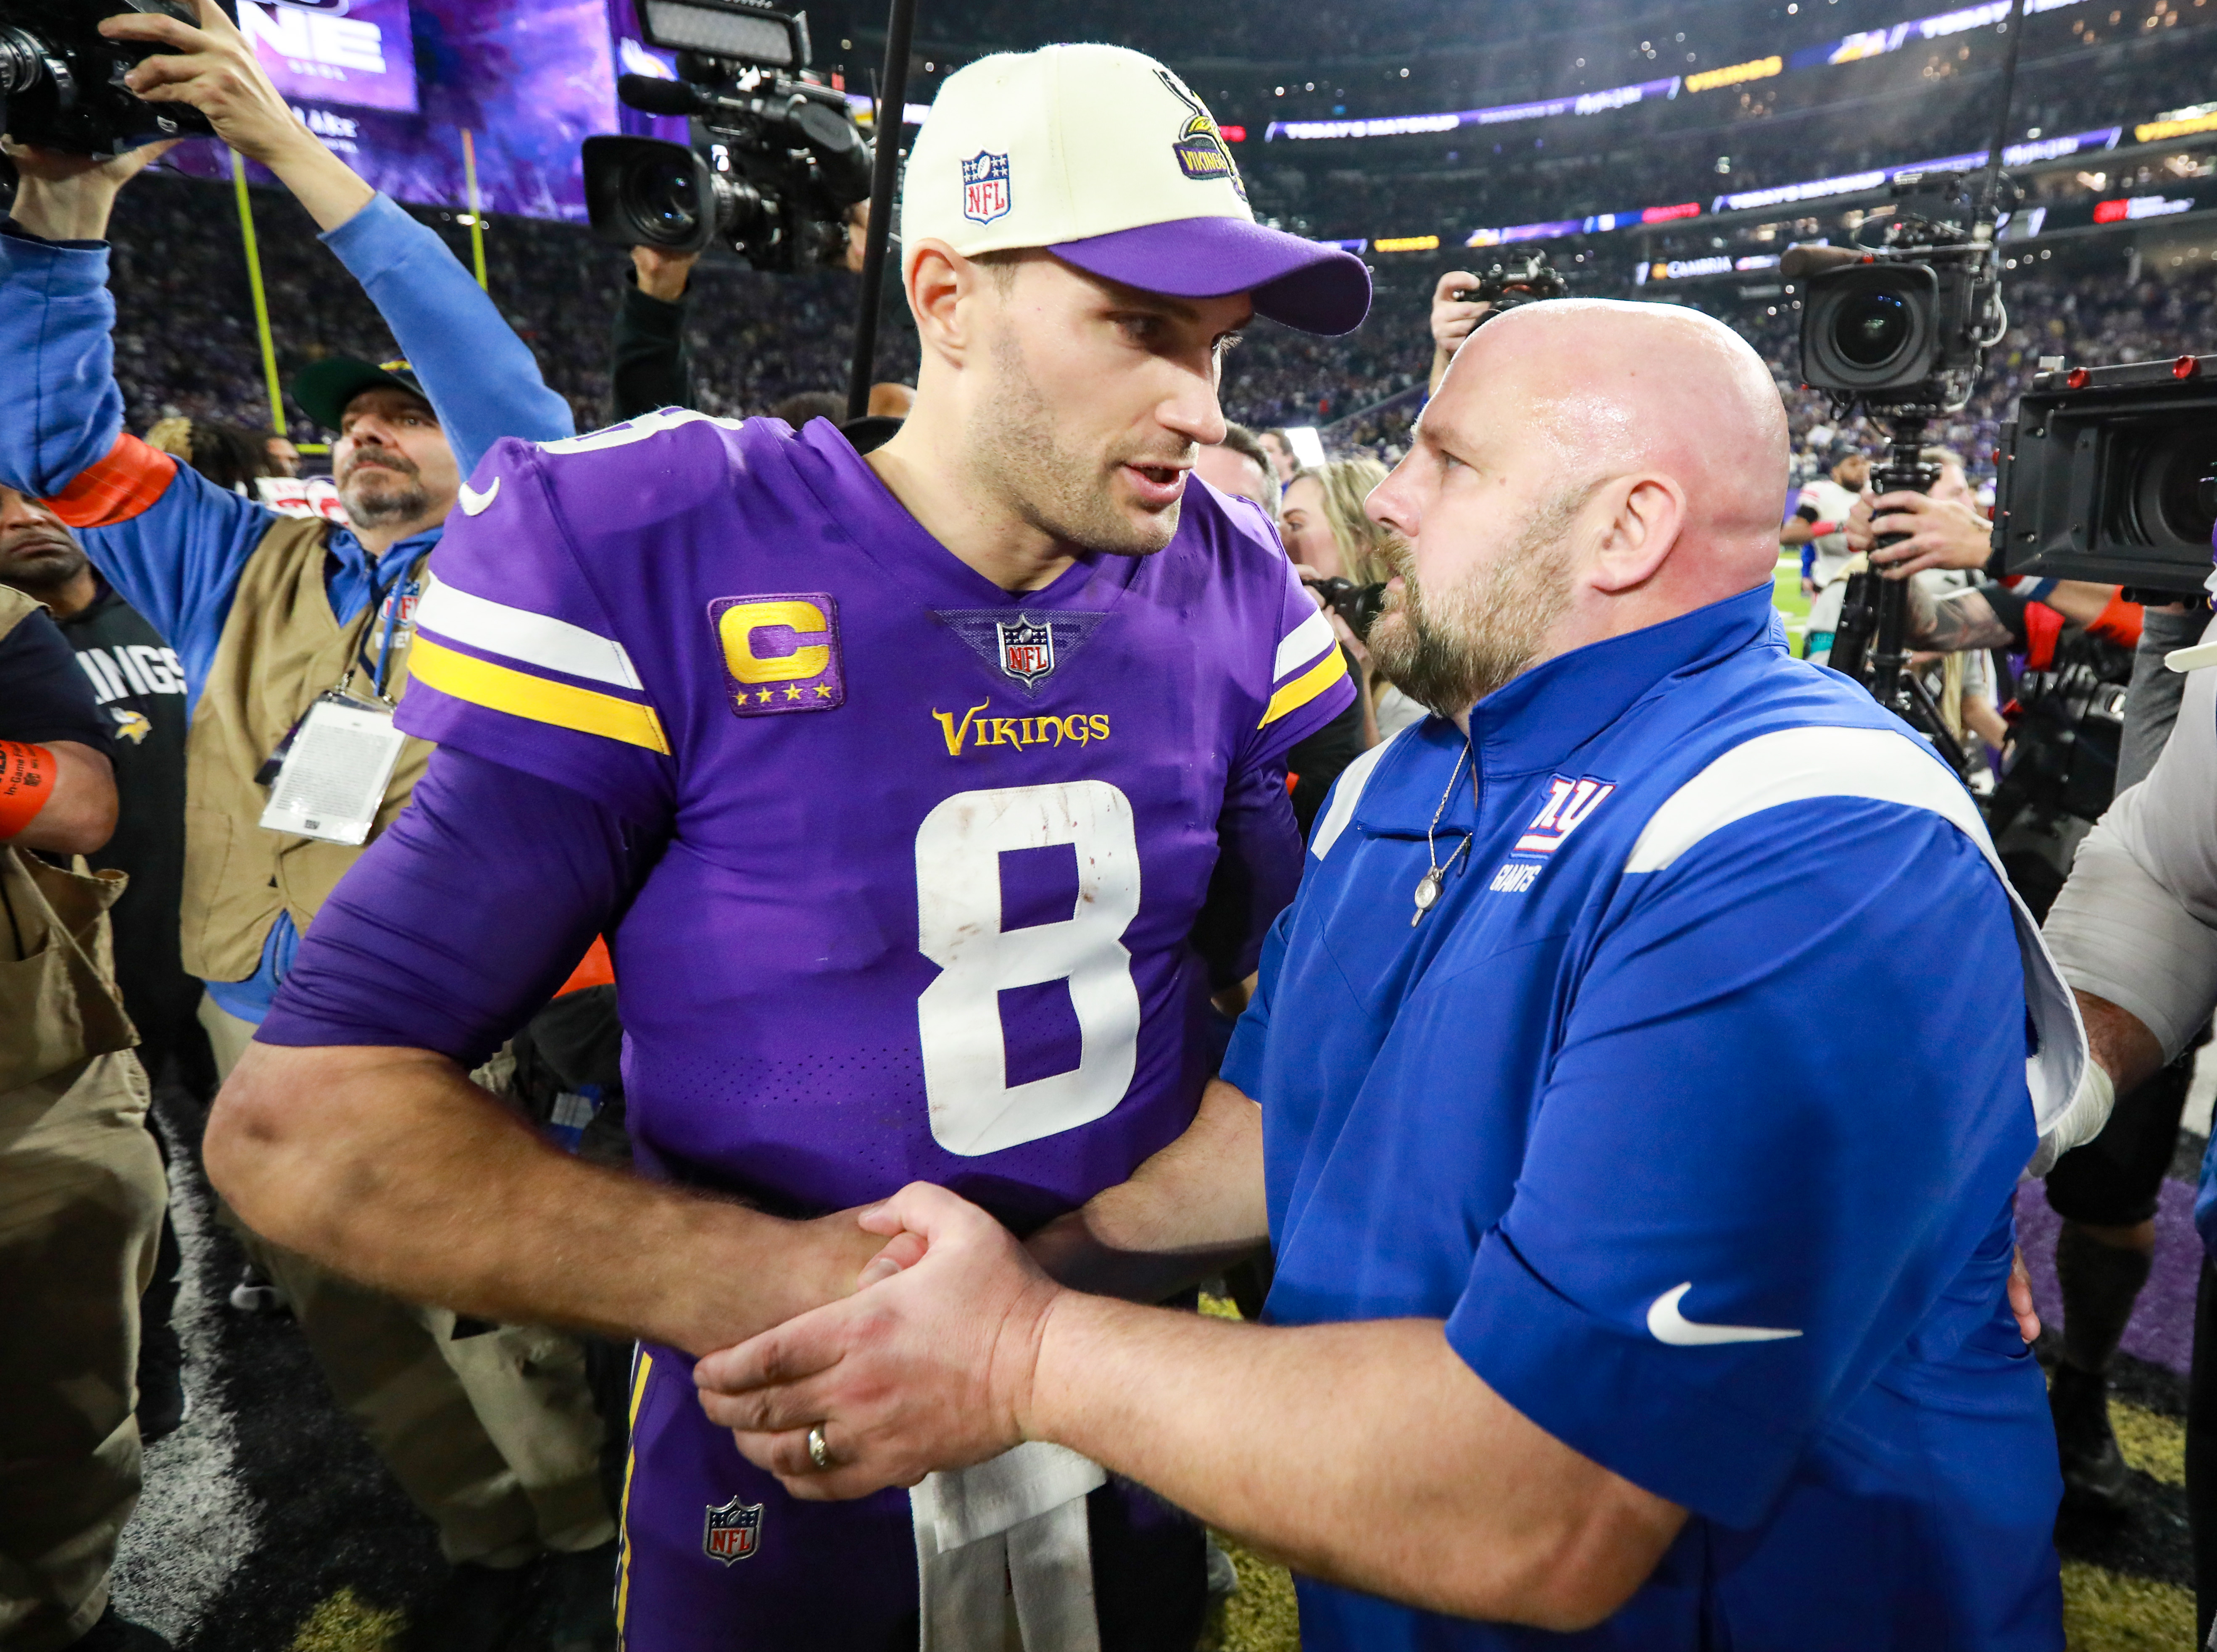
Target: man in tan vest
[(80, 1187), (294, 637)]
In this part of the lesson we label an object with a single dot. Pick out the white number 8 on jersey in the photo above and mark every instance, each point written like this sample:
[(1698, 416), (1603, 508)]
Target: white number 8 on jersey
[(974, 1110)]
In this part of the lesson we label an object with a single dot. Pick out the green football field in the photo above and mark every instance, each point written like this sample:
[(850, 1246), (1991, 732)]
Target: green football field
[(1787, 598)]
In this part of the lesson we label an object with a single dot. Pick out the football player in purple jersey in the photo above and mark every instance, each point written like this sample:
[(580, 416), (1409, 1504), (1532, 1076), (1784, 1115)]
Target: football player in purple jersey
[(925, 799)]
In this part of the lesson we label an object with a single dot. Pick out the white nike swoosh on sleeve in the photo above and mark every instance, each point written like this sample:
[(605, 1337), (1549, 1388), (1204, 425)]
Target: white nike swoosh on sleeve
[(1666, 1324), (475, 504)]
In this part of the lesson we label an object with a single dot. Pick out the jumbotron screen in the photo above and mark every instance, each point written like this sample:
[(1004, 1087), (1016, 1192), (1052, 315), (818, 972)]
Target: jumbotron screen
[(391, 85)]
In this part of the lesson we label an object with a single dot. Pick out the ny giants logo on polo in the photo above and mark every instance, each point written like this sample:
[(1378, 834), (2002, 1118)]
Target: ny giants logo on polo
[(973, 731), (984, 186), (1570, 803), (781, 652), (733, 1531)]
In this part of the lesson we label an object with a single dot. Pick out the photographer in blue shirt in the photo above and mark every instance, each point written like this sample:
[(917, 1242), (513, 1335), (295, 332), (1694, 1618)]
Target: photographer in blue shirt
[(271, 615), (1644, 1071)]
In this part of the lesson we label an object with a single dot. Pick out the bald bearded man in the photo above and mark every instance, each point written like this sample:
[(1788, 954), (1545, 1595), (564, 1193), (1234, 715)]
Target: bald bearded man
[(1643, 1074)]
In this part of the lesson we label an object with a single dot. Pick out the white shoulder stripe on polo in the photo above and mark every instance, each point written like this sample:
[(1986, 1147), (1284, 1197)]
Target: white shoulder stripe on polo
[(519, 634), (1346, 792), (1796, 765), (1301, 644)]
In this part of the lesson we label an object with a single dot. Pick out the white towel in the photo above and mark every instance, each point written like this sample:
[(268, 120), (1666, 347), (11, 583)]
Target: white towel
[(1021, 1516)]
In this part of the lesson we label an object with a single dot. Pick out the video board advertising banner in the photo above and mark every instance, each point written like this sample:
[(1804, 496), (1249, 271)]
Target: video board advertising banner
[(529, 79), (361, 55)]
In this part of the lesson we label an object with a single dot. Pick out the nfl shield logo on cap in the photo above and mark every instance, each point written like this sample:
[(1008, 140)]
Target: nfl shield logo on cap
[(732, 1531), (985, 187)]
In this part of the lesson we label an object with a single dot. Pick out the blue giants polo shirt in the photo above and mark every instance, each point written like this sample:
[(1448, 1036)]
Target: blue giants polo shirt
[(1694, 1109)]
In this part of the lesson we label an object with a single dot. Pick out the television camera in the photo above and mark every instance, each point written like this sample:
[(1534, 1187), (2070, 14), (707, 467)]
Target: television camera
[(775, 161), (61, 79)]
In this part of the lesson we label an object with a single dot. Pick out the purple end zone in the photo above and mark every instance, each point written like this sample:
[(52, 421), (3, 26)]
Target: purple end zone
[(1301, 283)]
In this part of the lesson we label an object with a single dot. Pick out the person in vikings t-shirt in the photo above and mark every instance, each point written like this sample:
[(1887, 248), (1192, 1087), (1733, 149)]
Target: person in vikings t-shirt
[(925, 799)]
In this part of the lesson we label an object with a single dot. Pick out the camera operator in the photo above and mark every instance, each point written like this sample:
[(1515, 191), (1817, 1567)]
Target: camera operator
[(1452, 318), (81, 1187), (650, 367), (272, 617)]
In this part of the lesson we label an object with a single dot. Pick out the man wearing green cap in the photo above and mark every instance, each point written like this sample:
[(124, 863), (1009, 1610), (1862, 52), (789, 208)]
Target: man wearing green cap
[(294, 635)]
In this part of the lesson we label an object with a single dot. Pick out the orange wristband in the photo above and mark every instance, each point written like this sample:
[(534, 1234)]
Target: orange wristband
[(2120, 621), (27, 780)]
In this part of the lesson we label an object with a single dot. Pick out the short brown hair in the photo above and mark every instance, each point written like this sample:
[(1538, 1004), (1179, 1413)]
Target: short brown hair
[(1244, 442)]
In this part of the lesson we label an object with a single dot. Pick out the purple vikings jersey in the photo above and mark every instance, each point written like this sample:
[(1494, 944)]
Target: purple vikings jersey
[(934, 857)]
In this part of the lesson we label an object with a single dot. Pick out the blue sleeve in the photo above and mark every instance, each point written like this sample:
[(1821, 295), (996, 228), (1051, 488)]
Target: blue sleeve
[(1242, 1067), (1778, 1141), (1808, 559), (397, 954), (482, 380), (170, 541)]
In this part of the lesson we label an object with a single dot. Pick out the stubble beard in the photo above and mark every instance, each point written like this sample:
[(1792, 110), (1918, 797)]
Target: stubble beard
[(47, 568), (1450, 648), (1061, 494), (385, 506)]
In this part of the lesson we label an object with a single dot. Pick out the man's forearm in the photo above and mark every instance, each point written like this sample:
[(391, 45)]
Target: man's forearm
[(1368, 1454), (330, 190), (2128, 1053), (77, 210), (1959, 623), (391, 1167), (1185, 1214)]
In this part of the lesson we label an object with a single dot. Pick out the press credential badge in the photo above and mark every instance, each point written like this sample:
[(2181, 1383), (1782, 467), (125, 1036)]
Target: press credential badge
[(335, 774)]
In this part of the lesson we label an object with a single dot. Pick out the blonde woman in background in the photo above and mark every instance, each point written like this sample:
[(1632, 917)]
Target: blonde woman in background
[(1329, 537)]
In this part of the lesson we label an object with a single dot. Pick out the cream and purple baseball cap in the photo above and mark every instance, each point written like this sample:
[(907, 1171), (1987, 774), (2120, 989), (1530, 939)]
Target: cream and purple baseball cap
[(1108, 160)]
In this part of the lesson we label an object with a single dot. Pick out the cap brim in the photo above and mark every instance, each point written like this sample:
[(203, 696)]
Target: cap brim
[(324, 388), (1305, 284)]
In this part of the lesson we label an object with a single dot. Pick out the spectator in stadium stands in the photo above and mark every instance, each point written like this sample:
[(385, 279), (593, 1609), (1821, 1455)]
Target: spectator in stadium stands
[(140, 686), (284, 457), (1670, 1329), (1029, 544), (1283, 465), (1818, 524), (80, 1187), (1240, 467), (492, 1433)]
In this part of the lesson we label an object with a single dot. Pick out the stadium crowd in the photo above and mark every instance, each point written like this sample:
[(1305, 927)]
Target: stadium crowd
[(535, 935)]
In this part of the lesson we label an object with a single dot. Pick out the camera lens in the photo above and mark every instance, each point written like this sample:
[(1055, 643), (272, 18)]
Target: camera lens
[(1872, 328), (2170, 482), (664, 199)]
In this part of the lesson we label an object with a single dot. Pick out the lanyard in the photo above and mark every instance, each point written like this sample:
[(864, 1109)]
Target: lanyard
[(394, 590)]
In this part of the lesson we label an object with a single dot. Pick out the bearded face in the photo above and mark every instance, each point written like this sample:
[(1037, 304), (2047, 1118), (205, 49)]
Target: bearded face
[(1450, 648), (383, 485)]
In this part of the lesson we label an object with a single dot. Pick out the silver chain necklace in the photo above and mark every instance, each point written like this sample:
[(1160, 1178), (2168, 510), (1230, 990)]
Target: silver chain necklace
[(1428, 887)]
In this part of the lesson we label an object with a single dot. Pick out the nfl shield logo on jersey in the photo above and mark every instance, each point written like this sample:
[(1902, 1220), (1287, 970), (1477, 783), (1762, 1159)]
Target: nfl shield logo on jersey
[(732, 1531), (1027, 650), (984, 186)]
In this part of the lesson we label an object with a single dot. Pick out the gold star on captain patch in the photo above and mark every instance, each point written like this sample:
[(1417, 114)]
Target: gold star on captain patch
[(823, 691), (763, 697), (792, 694)]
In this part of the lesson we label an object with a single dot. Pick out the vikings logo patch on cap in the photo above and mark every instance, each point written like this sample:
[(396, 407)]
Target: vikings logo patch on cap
[(1200, 147), (984, 186)]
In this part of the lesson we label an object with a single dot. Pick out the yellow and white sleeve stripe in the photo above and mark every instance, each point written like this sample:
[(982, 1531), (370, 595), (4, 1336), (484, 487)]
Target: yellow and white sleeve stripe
[(1308, 662), (529, 639)]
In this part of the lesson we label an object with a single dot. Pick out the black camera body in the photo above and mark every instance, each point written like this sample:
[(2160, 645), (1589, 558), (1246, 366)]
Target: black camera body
[(2109, 474), (1903, 329), (61, 78), (774, 161), (1508, 282), (1359, 605)]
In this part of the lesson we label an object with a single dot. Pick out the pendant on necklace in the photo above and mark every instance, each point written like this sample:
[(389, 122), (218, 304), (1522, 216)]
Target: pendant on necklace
[(1428, 891)]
